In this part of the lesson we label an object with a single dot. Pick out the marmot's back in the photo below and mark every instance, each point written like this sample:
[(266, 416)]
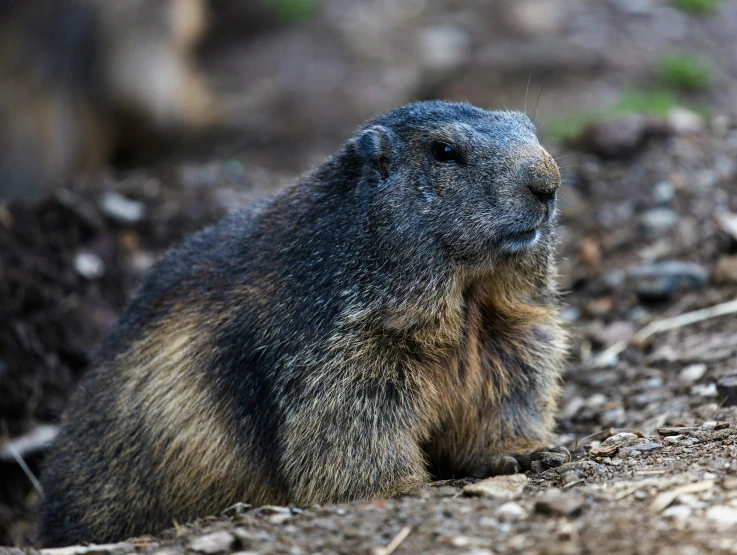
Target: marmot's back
[(393, 308)]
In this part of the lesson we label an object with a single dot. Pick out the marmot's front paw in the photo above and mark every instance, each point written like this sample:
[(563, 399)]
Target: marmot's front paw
[(544, 458), (501, 465)]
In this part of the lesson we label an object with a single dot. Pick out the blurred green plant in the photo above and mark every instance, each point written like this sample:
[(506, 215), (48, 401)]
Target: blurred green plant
[(697, 7), (294, 11), (684, 72), (632, 101)]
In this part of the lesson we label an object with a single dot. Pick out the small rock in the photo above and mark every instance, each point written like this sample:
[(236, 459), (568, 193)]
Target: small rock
[(511, 511), (648, 447), (248, 538), (613, 418), (614, 333), (551, 459), (663, 192), (121, 209), (597, 400), (537, 16), (621, 138), (715, 425), (89, 265), (215, 542), (566, 504), (726, 387), (673, 440), (571, 476), (726, 270), (615, 443), (572, 408), (656, 222), (498, 487), (678, 512), (664, 279), (704, 390), (685, 122), (141, 261), (692, 373), (722, 514)]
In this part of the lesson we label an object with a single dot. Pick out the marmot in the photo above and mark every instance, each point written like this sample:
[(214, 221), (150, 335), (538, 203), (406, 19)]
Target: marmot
[(390, 316), (82, 78)]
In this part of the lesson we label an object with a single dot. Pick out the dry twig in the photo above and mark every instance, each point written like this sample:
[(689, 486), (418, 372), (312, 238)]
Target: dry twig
[(667, 324), (396, 542)]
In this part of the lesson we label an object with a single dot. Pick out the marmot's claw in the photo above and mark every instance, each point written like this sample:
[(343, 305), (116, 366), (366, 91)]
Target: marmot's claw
[(542, 459)]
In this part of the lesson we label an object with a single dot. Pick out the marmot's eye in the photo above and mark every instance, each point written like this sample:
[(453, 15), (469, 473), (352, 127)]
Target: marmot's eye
[(444, 153)]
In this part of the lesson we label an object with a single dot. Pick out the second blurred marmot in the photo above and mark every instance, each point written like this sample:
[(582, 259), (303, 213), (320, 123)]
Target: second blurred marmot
[(78, 75)]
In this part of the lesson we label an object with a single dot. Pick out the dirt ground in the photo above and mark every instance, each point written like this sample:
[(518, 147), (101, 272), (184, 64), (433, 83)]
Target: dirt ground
[(647, 233)]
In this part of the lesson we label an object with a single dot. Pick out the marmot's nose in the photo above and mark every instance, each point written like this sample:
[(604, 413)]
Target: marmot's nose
[(541, 175)]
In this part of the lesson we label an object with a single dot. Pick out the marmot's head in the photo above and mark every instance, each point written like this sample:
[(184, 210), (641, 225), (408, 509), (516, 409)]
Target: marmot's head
[(477, 182)]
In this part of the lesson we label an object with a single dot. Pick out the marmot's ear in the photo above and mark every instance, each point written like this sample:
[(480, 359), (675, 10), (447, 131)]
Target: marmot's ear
[(377, 145)]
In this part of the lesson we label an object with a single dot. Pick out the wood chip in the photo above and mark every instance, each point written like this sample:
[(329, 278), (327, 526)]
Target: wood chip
[(678, 430), (665, 499)]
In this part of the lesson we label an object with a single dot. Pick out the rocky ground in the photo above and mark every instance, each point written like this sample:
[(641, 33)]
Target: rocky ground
[(648, 235)]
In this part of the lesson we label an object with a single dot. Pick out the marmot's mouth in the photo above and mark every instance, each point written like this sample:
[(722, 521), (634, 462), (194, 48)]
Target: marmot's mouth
[(521, 240)]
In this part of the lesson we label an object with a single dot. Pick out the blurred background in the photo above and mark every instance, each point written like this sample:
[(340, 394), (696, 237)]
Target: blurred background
[(125, 126)]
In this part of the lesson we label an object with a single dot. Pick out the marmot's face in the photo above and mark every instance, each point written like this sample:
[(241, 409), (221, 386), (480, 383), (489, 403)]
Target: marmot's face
[(481, 182), (489, 185)]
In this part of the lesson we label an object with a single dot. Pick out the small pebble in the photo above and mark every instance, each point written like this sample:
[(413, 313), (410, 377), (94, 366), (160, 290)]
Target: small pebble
[(566, 504), (498, 486), (722, 514), (726, 270), (663, 192), (664, 279), (692, 373), (213, 543), (678, 512), (121, 209), (89, 265), (705, 390), (656, 222), (649, 447), (511, 511)]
